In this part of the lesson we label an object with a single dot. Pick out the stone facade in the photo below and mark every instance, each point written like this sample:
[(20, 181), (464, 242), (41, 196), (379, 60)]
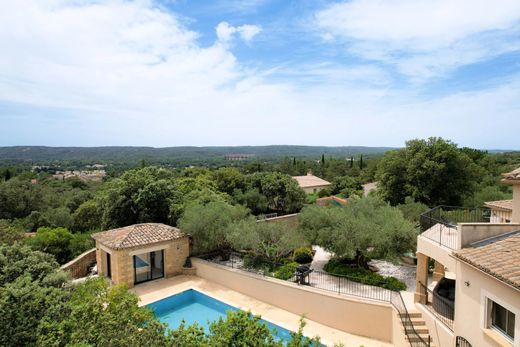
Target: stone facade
[(122, 263)]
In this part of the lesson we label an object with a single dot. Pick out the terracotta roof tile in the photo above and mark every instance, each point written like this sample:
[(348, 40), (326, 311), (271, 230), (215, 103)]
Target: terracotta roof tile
[(505, 205), (138, 235), (309, 181), (500, 259), (512, 177)]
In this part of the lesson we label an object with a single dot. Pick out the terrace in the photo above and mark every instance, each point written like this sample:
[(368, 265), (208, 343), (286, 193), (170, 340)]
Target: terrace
[(446, 230)]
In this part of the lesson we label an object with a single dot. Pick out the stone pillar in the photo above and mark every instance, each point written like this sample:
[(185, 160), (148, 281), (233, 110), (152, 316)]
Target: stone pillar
[(438, 272), (421, 277)]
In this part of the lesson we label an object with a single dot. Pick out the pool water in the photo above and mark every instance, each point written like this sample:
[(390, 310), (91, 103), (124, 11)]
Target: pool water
[(195, 307)]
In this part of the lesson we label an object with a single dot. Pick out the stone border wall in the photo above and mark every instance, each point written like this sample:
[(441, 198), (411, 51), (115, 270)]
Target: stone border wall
[(353, 315), (79, 266)]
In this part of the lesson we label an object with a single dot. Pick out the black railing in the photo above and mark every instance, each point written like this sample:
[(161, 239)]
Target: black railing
[(451, 215), (413, 337), (440, 223), (462, 342), (438, 307), (340, 284)]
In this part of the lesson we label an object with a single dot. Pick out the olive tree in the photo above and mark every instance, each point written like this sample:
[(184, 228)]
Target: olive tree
[(364, 227), (269, 240), (208, 224)]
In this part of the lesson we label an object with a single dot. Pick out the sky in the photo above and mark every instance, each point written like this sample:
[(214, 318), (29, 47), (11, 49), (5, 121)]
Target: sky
[(259, 72)]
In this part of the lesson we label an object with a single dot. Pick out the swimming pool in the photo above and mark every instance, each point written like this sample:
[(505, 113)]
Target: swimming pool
[(194, 307)]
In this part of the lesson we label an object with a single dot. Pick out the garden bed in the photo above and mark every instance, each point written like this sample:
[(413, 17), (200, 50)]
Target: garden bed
[(345, 268)]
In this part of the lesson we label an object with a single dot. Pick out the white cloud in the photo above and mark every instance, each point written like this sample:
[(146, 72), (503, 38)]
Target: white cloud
[(424, 38), (129, 73), (226, 32)]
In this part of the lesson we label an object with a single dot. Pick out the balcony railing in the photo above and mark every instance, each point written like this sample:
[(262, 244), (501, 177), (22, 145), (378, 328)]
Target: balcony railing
[(440, 223), (441, 310)]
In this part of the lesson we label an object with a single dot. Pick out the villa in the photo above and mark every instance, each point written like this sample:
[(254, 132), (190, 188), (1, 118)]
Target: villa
[(311, 184), (473, 297)]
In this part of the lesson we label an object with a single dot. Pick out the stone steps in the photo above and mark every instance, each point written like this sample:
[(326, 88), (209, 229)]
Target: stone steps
[(419, 325)]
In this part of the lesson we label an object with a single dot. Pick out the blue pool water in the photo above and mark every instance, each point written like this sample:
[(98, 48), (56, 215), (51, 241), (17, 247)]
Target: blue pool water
[(195, 307)]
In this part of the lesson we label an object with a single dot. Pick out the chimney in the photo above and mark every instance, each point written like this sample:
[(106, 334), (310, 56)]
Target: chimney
[(513, 178)]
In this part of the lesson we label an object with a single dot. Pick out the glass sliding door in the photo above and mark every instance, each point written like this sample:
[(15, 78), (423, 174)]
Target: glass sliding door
[(148, 266), (157, 264)]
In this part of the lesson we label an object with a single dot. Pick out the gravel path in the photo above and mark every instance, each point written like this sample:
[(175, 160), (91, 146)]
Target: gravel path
[(405, 273)]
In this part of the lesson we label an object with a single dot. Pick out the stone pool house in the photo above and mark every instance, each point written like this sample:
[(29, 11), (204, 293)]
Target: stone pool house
[(141, 252), (473, 297)]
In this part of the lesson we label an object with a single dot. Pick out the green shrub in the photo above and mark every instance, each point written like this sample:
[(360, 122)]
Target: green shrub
[(286, 271), (303, 255), (356, 274)]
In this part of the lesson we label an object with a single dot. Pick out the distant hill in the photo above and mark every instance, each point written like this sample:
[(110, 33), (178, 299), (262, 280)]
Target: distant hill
[(43, 154)]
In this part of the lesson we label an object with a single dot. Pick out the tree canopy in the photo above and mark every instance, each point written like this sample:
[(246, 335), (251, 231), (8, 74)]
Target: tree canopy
[(433, 171), (208, 224), (364, 227)]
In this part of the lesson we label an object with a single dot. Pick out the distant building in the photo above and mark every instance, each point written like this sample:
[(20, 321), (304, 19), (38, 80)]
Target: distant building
[(310, 183), (235, 157), (84, 175), (501, 211)]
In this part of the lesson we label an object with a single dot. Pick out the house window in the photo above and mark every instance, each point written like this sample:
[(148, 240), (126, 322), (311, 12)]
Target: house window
[(502, 320), (148, 266)]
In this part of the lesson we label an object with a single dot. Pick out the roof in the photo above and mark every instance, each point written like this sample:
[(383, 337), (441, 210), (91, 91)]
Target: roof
[(137, 235), (512, 177), (309, 181), (504, 205), (331, 199), (498, 256)]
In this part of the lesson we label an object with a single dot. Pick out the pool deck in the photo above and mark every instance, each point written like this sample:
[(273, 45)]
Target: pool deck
[(160, 289)]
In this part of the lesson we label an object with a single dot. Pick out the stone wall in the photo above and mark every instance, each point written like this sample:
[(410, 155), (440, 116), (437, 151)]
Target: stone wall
[(291, 219), (357, 316), (80, 266)]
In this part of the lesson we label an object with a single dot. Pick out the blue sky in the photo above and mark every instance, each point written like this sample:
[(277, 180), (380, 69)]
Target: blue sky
[(259, 72)]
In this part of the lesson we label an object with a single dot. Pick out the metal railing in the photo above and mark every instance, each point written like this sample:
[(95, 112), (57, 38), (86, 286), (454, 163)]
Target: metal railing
[(462, 342), (340, 284), (413, 337), (440, 223), (451, 215), (440, 309)]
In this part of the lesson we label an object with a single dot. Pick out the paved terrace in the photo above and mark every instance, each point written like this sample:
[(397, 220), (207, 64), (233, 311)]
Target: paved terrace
[(159, 289)]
